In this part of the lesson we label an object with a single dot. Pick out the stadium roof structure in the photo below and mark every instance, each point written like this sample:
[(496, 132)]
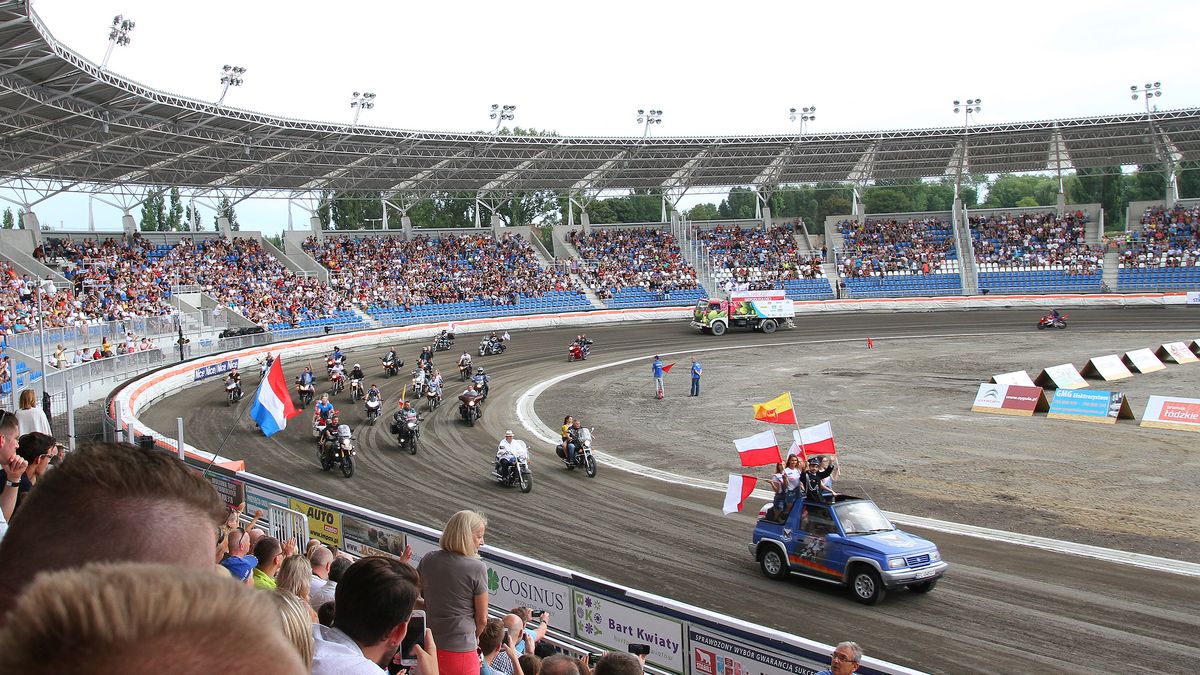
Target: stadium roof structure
[(66, 120)]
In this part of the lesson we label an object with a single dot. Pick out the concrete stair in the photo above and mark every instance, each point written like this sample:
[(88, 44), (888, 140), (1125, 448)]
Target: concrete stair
[(1112, 259), (370, 320)]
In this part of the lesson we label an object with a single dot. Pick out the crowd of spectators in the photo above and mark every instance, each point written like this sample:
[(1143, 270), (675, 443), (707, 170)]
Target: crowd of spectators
[(377, 271), (758, 258), (1035, 240), (1167, 238), (613, 259), (877, 247)]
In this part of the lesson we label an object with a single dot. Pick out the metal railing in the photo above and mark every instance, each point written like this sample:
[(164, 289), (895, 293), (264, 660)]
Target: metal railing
[(93, 334)]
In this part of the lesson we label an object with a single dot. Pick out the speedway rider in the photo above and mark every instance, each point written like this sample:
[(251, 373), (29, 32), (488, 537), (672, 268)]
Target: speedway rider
[(481, 381), (329, 433), (435, 384), (356, 373), (579, 435), (236, 379), (472, 393), (464, 362), (373, 394), (506, 455), (337, 356), (306, 376)]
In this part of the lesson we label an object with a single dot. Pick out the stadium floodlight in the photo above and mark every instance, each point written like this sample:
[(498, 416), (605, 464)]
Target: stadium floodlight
[(1146, 92), (805, 115), (231, 76), (360, 102), (970, 107), (118, 36), (648, 117), (502, 114)]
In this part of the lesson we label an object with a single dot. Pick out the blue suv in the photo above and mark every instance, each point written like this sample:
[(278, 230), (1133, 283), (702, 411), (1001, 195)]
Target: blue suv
[(846, 541)]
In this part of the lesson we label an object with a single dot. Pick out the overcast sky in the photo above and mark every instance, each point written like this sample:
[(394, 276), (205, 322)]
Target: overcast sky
[(585, 68)]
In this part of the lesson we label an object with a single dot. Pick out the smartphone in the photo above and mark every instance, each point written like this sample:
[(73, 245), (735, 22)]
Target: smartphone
[(507, 641), (639, 650), (415, 636), (537, 613)]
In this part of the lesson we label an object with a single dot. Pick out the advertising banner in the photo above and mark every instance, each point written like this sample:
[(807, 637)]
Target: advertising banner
[(1107, 368), (214, 369), (509, 588), (362, 538), (1143, 360), (1193, 298), (260, 499), (1009, 399), (1178, 352), (1016, 377), (323, 524), (1104, 407), (615, 626), (716, 654), (1062, 376), (232, 490), (1169, 412)]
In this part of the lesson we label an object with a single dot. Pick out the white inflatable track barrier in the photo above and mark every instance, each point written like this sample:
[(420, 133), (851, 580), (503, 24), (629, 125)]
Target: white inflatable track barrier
[(1143, 360), (1107, 368), (1018, 377), (1062, 376), (1178, 352)]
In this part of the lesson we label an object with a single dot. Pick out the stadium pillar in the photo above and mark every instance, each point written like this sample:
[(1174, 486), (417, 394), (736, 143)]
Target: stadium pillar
[(766, 216), (29, 221), (315, 224), (223, 227), (406, 225), (585, 221), (128, 224), (496, 222)]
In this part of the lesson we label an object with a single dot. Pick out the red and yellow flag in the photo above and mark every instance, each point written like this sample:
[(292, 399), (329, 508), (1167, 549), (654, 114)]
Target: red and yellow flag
[(776, 411)]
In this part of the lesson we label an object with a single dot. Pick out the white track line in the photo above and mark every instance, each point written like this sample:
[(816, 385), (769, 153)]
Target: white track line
[(532, 423)]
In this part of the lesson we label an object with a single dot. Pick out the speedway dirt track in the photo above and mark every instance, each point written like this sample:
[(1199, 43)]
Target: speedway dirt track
[(1001, 608)]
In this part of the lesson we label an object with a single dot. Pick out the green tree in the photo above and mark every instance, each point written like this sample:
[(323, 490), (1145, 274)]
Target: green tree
[(741, 203), (1008, 189), (1188, 177), (9, 221), (703, 212), (174, 220), (887, 200), (277, 240), (1104, 186), (1026, 202), (153, 212), (225, 208)]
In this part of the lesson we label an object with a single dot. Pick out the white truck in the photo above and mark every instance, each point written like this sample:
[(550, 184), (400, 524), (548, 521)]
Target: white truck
[(760, 310)]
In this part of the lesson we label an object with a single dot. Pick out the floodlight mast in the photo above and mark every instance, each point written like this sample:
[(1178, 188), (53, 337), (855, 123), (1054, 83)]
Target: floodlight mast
[(231, 76), (805, 115), (360, 102), (1147, 92), (501, 113), (970, 107), (648, 117), (118, 36)]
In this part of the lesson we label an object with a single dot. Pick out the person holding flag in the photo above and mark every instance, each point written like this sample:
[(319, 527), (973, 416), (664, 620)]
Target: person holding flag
[(273, 402), (811, 480)]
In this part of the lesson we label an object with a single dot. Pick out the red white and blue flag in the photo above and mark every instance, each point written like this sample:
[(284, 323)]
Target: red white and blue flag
[(273, 402)]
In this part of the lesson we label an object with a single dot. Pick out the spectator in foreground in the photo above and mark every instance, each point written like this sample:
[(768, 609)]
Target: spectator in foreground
[(270, 554), (530, 664), (845, 659), (237, 559), (154, 510), (297, 627), (295, 577), (325, 594), (560, 664), (454, 585), (31, 417), (618, 663), (13, 466), (38, 450), (375, 599), (144, 618), (321, 558), (496, 653)]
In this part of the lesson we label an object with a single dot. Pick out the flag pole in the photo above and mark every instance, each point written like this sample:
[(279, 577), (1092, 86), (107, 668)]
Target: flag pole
[(796, 421)]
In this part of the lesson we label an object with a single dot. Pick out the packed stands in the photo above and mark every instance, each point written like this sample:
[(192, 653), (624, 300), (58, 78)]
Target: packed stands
[(764, 259), (445, 276), (1035, 252), (1163, 251), (889, 257), (635, 267)]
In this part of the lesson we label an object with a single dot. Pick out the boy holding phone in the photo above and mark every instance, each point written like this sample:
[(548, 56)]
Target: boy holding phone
[(497, 655)]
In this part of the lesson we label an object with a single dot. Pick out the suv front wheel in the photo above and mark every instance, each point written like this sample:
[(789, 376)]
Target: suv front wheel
[(773, 564), (866, 585)]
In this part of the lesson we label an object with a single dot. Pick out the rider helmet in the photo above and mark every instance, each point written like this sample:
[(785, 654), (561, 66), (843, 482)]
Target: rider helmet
[(479, 370), (357, 366)]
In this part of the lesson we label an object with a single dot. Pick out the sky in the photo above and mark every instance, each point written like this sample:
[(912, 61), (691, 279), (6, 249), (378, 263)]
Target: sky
[(586, 68)]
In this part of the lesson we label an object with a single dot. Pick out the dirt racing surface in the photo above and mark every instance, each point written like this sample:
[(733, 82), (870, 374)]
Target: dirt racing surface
[(901, 417)]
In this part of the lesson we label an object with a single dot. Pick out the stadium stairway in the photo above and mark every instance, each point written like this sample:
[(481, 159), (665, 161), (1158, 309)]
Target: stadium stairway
[(589, 293), (1112, 261), (367, 318)]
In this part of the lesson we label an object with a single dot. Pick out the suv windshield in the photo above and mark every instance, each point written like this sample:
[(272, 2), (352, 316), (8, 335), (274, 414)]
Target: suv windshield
[(862, 518)]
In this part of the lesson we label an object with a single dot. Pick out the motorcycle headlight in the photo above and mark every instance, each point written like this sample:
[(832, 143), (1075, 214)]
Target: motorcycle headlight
[(471, 403), (412, 425), (895, 563)]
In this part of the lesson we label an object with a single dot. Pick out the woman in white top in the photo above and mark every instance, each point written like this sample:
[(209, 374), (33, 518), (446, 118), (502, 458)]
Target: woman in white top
[(30, 417)]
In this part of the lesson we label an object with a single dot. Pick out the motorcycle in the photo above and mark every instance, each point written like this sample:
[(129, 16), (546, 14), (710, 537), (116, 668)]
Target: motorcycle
[(418, 385), (233, 391), (329, 363), (374, 408), (579, 352), (464, 371), (407, 432), (433, 398), (470, 408), (583, 458), (319, 424), (441, 344), (518, 472), (339, 384), (391, 367), (489, 347), (339, 451), (306, 392), (1049, 321), (356, 390)]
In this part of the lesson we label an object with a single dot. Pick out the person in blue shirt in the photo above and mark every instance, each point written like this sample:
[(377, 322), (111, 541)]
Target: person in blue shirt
[(657, 368), (324, 408), (696, 371)]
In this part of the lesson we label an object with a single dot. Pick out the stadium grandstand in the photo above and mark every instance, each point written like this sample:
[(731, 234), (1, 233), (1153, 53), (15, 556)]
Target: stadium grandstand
[(83, 311)]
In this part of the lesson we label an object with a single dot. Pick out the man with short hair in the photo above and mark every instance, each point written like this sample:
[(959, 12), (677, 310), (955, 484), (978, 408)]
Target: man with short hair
[(12, 465), (154, 510), (499, 656), (237, 559), (559, 664), (658, 370), (321, 559), (337, 568), (844, 660), (373, 603), (618, 663), (696, 372), (270, 554)]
